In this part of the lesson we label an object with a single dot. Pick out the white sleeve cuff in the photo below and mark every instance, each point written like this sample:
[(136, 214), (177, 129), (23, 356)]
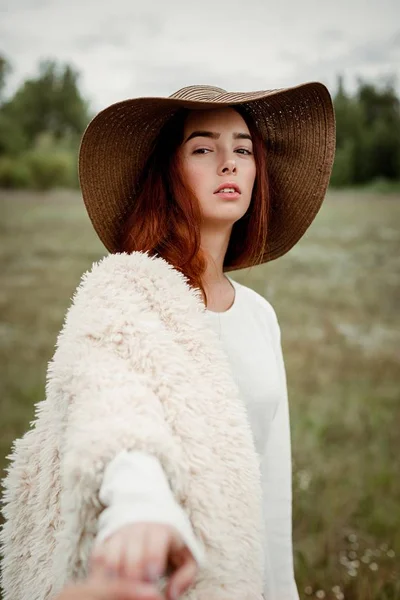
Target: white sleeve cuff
[(135, 489)]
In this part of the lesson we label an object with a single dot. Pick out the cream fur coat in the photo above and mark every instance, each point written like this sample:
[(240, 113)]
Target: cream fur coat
[(135, 367)]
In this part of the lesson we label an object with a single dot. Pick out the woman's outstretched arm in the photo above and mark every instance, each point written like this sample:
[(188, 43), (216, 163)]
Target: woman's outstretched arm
[(102, 372)]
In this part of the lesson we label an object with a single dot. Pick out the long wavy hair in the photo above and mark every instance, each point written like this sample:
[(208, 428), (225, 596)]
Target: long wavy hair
[(165, 218)]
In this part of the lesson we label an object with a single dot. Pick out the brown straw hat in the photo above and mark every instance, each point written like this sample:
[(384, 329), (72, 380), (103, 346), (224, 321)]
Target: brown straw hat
[(298, 126)]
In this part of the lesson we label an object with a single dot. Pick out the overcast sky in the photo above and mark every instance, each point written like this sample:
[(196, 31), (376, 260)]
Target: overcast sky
[(127, 48)]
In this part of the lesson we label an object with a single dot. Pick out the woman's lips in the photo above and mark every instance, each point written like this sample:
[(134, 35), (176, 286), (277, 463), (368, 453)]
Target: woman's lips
[(228, 195)]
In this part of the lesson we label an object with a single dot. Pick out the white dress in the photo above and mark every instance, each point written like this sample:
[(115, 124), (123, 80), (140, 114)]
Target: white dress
[(135, 488)]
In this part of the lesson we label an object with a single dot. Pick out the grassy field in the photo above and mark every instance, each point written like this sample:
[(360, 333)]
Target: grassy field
[(337, 296)]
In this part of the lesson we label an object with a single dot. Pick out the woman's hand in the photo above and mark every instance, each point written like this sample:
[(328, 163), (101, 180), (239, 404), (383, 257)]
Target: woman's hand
[(98, 587), (144, 552)]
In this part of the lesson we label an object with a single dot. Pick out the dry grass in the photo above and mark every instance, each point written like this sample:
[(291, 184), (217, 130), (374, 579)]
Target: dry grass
[(337, 297)]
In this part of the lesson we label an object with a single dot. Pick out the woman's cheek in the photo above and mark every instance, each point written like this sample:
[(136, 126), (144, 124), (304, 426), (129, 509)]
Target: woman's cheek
[(197, 179)]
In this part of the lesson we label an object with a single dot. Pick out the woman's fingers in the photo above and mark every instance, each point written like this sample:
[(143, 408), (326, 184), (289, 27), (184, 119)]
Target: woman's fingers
[(156, 550), (122, 554), (132, 560), (97, 574), (110, 590), (142, 553), (184, 575), (114, 552), (134, 591), (103, 588)]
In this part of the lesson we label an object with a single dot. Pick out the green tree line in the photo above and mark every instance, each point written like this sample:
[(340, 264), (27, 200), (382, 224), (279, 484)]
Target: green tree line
[(368, 135), (42, 122), (40, 128)]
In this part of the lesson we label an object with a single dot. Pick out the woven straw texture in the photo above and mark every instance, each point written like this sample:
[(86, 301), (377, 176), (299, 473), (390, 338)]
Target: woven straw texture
[(298, 127)]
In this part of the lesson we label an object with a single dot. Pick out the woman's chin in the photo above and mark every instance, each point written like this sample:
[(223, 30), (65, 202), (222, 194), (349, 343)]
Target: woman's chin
[(230, 212), (222, 221)]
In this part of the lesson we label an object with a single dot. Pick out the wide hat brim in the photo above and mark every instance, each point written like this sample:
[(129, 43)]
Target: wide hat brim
[(298, 127)]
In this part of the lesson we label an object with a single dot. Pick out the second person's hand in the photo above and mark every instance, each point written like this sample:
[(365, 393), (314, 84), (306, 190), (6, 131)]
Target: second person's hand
[(145, 552)]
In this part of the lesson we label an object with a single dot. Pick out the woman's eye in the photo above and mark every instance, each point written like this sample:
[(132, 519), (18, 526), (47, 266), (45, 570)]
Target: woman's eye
[(201, 151), (244, 151)]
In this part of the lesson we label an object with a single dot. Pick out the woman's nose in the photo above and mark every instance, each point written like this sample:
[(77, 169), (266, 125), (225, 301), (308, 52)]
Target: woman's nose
[(227, 167)]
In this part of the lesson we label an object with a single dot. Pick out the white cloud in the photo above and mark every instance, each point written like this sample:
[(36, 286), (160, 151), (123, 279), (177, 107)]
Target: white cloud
[(126, 48)]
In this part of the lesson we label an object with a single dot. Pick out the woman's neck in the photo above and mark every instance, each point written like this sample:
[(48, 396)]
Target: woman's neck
[(214, 244), (219, 290)]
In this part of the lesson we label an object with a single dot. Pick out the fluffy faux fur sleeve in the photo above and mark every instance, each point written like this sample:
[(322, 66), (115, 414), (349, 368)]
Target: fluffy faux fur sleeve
[(104, 359)]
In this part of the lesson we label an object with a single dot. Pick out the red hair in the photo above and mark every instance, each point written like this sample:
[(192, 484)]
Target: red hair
[(165, 219)]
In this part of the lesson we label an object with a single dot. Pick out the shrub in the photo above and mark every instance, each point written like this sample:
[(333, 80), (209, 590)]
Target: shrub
[(49, 170), (14, 173), (39, 169)]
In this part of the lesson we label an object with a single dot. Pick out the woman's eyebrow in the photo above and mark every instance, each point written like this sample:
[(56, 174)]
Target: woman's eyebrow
[(209, 134), (215, 136), (242, 136)]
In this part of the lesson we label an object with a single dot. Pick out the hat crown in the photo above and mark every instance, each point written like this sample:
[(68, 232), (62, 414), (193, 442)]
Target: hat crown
[(198, 93)]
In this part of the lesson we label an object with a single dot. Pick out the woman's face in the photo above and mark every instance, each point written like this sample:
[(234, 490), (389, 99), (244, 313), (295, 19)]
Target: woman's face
[(218, 164)]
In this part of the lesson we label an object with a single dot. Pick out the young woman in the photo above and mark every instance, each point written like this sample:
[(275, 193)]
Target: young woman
[(162, 451)]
